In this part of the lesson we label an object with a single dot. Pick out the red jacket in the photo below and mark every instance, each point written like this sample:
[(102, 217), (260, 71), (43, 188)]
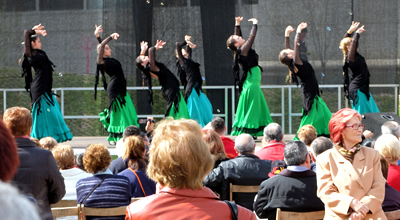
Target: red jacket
[(229, 145), (393, 178), (272, 151), (172, 203)]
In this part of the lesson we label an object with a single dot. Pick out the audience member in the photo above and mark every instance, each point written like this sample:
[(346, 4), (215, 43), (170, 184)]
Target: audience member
[(37, 142), (15, 206), (245, 169), (79, 161), (9, 160), (48, 143), (64, 155), (215, 145), (318, 146), (389, 147), (349, 176), (293, 189), (135, 151), (273, 150), (112, 190), (307, 134), (391, 127), (179, 160), (120, 164), (218, 125), (38, 175), (392, 196)]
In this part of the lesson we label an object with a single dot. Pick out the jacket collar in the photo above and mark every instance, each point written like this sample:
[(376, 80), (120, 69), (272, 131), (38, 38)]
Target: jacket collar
[(289, 173), (24, 142), (273, 143), (353, 169), (204, 192), (247, 155)]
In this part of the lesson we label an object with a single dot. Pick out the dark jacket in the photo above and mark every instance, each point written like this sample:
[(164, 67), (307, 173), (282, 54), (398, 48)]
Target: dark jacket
[(245, 169), (38, 176), (118, 165), (289, 191)]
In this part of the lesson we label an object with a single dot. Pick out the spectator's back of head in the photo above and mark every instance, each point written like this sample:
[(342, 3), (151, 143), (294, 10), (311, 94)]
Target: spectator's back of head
[(321, 144), (79, 161), (18, 120), (130, 131), (96, 158), (389, 147), (9, 159), (218, 125), (64, 155), (244, 144), (48, 143), (37, 142), (391, 127), (295, 153), (214, 143), (307, 134), (384, 167), (134, 152), (273, 132)]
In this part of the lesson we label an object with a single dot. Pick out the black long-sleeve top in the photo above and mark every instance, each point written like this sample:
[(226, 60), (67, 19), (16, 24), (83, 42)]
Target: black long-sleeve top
[(117, 86), (309, 83), (356, 62), (42, 82), (188, 69), (168, 81)]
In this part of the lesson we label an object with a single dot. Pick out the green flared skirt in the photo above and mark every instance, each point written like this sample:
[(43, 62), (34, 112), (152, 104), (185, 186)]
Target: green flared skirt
[(182, 109)]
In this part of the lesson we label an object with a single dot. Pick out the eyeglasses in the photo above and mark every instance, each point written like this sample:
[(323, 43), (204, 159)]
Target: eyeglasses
[(356, 126)]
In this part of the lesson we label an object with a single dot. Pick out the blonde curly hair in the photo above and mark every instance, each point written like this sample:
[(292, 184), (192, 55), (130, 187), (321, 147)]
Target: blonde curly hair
[(96, 158)]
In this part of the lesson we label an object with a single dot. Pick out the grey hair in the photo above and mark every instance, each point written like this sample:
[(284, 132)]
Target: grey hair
[(320, 144), (295, 153), (218, 124), (273, 132), (244, 144), (391, 127)]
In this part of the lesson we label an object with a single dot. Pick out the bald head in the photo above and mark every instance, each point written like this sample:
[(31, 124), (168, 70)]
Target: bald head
[(244, 144), (273, 132)]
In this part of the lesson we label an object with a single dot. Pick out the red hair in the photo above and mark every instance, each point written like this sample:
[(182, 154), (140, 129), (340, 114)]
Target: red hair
[(338, 123), (9, 159)]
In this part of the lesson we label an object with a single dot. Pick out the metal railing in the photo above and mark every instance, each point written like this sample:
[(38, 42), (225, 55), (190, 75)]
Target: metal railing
[(229, 95)]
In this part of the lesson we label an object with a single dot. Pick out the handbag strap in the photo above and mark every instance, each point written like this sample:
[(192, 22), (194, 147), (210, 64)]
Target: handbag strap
[(234, 209), (87, 196), (141, 186)]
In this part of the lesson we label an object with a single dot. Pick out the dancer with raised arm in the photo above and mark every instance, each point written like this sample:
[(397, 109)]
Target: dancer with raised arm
[(357, 87), (252, 113), (150, 68), (46, 113), (198, 105), (121, 113), (314, 112)]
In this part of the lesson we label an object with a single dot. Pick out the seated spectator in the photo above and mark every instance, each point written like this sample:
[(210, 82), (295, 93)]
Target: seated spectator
[(79, 161), (38, 175), (120, 164), (218, 125), (293, 189), (215, 145), (392, 196), (48, 143), (307, 134), (112, 190), (245, 169), (273, 149), (318, 146), (9, 160), (179, 160), (389, 147), (64, 155), (135, 151), (37, 142), (15, 206)]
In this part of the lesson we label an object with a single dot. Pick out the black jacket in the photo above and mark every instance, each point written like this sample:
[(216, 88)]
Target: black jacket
[(38, 176), (289, 191), (245, 169)]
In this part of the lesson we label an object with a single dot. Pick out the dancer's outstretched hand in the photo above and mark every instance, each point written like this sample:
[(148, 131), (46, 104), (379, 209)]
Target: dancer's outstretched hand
[(115, 36), (254, 20), (301, 26), (160, 44), (38, 27), (97, 30), (288, 30), (353, 27), (360, 30), (41, 32), (238, 20), (143, 46)]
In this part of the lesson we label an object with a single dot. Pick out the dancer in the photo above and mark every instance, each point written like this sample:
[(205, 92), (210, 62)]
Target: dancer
[(357, 88), (150, 68), (314, 112), (46, 113), (252, 113), (198, 105), (121, 113)]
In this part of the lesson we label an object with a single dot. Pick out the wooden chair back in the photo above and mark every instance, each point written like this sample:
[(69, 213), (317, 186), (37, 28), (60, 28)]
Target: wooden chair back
[(65, 203), (393, 215), (241, 189), (280, 215), (104, 212)]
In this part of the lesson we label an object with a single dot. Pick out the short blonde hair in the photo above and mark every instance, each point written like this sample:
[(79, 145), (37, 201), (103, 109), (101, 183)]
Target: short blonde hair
[(179, 158), (96, 158), (389, 147), (307, 134), (48, 143), (64, 155), (18, 120), (37, 142)]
